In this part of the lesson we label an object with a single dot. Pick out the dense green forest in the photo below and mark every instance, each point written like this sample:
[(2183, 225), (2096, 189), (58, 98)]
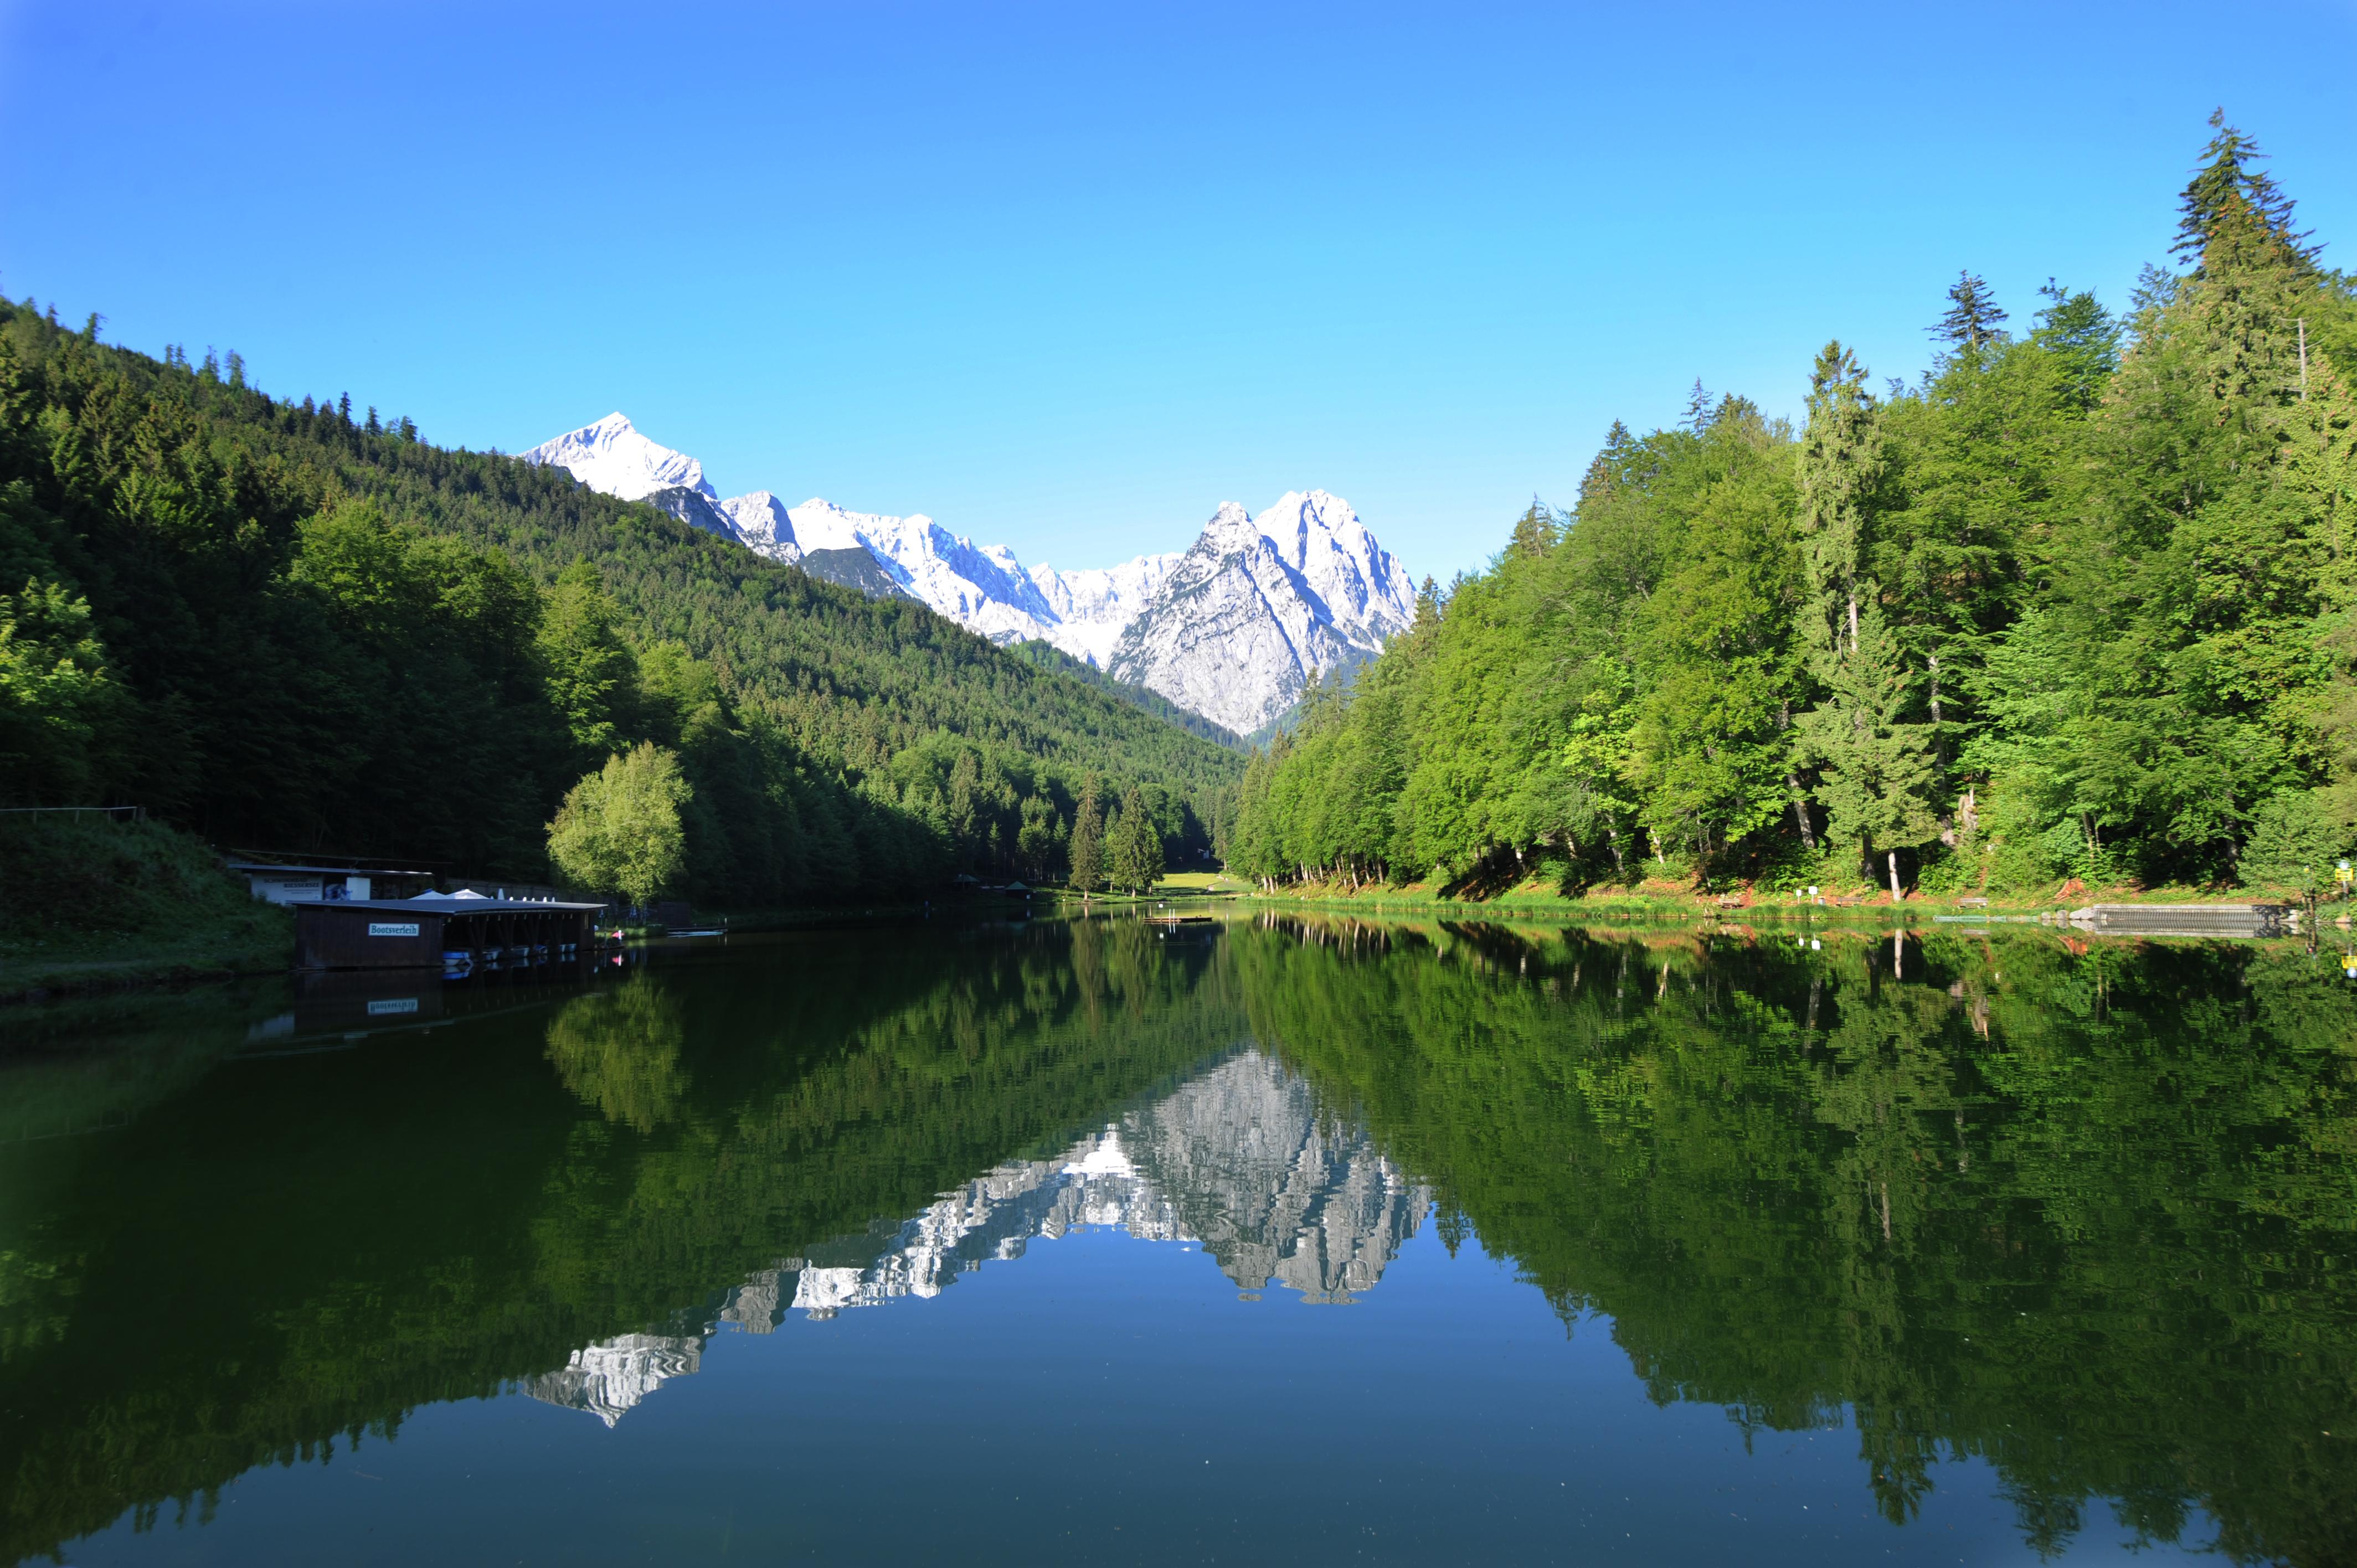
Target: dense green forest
[(2078, 604), (289, 628)]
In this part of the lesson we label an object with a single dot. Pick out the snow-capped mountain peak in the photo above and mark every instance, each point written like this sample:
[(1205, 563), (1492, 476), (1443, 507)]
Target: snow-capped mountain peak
[(612, 456), (1322, 540), (1262, 606), (1235, 627), (766, 526)]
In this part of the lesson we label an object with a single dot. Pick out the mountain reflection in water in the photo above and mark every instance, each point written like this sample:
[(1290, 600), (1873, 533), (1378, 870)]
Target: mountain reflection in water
[(1240, 1159), (2072, 1216)]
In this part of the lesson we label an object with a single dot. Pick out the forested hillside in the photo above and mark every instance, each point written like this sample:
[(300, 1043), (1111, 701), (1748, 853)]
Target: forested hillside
[(2077, 604), (289, 628)]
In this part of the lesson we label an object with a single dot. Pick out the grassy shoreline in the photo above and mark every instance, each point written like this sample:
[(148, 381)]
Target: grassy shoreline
[(93, 906), (99, 967), (236, 938), (1683, 902)]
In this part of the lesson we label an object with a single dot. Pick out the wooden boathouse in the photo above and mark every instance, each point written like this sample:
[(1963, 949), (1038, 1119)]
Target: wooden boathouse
[(428, 932)]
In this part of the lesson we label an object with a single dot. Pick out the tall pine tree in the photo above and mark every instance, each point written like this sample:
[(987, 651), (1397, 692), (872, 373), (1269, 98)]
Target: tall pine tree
[(1974, 321), (1088, 843)]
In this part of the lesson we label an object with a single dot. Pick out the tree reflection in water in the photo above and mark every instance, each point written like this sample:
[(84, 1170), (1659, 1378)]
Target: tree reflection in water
[(2084, 1211)]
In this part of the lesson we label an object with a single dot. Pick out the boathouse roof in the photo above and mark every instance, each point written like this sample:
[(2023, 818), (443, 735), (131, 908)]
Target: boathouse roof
[(446, 904)]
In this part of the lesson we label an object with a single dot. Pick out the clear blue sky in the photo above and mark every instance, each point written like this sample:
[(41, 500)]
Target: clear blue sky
[(1067, 276)]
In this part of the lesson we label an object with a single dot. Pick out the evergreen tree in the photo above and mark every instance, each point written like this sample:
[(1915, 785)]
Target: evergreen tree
[(1534, 531), (1135, 846), (1698, 409), (2083, 337), (965, 804), (2227, 183), (1878, 770), (2296, 838), (1039, 841), (1841, 470), (1088, 856), (1973, 320), (1427, 608)]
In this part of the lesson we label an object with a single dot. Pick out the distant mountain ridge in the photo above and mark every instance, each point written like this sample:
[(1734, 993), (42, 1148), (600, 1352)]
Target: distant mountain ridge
[(1233, 628)]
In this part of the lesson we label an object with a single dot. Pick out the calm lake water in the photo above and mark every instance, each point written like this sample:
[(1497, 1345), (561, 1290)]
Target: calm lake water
[(1243, 1242)]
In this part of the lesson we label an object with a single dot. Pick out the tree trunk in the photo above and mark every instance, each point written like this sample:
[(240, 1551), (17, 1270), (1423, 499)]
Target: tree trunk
[(1893, 856), (1800, 812), (1853, 620), (1939, 733)]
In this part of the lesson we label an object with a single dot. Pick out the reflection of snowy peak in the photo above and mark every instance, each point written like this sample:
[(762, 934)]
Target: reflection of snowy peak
[(607, 1379), (1273, 1188), (1235, 629), (1240, 1159)]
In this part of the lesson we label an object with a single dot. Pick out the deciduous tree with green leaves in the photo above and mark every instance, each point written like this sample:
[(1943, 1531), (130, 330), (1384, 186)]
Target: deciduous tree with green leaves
[(619, 828)]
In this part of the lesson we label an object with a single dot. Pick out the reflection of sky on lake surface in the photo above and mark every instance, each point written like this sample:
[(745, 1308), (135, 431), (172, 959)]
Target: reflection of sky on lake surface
[(1656, 1245)]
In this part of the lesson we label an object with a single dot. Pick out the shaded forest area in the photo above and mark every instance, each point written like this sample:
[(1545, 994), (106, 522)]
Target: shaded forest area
[(2075, 605), (288, 629)]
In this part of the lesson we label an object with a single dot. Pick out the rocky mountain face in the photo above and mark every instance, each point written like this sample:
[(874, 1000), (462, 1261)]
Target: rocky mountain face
[(1240, 1160), (1235, 629), (1261, 607), (1093, 606)]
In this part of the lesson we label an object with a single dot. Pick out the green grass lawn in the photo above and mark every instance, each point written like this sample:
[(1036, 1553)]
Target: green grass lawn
[(1683, 900), (91, 905), (1201, 882)]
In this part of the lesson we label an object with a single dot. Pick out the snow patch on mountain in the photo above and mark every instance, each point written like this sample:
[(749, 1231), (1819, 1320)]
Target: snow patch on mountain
[(1262, 606), (1094, 605), (1235, 628)]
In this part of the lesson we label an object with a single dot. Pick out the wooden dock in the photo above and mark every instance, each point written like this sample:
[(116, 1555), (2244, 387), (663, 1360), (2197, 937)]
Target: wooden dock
[(2188, 920)]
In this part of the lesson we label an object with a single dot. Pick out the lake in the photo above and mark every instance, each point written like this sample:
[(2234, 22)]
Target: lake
[(1215, 1240)]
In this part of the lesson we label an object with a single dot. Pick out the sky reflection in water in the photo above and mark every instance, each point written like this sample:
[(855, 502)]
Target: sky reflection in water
[(1125, 1242)]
